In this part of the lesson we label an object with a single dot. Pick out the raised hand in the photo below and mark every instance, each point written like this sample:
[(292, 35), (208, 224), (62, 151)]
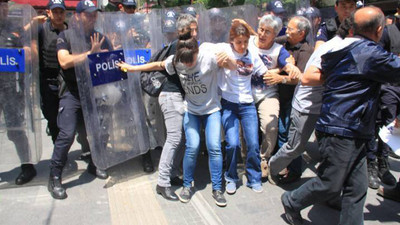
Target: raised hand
[(96, 44)]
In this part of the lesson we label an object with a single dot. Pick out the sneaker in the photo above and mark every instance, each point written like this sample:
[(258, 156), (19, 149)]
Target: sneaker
[(292, 216), (264, 168), (257, 188), (230, 188), (185, 195), (219, 198)]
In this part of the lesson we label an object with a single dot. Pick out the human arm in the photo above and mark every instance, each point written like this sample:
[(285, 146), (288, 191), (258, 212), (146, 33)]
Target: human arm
[(153, 66), (312, 77), (225, 61), (40, 19), (68, 60), (244, 23)]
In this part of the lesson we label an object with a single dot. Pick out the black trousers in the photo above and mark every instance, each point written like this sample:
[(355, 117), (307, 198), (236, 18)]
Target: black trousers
[(50, 104), (69, 120), (343, 169), (388, 111)]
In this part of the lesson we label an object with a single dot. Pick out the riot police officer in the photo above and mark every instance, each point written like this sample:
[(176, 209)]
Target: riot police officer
[(49, 68), (70, 116), (328, 29), (12, 98)]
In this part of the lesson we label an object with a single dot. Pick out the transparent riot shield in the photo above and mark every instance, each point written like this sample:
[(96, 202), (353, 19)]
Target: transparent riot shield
[(20, 125), (114, 113), (218, 21)]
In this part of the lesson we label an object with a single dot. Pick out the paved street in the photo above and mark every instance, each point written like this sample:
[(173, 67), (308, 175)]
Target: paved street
[(129, 197)]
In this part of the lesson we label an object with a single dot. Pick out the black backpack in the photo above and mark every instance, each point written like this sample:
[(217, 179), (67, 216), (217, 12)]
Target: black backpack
[(153, 82)]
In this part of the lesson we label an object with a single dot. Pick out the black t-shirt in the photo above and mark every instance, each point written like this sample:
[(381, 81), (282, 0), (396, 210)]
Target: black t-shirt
[(173, 83), (64, 42)]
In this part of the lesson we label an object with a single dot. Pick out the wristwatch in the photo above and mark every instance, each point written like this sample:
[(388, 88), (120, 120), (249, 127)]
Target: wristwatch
[(284, 80)]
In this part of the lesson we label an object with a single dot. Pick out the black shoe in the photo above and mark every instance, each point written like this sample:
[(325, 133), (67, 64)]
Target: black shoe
[(384, 173), (219, 198), (390, 193), (101, 174), (167, 193), (147, 163), (393, 155), (176, 181), (273, 179), (27, 174), (55, 188), (185, 195), (373, 181), (290, 178), (292, 216)]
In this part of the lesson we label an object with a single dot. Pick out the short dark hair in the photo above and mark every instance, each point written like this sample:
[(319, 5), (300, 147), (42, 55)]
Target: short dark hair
[(337, 1), (185, 50), (344, 28), (370, 25)]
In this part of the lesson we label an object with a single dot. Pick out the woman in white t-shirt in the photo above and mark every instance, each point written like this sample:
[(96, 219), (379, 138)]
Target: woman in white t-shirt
[(197, 69), (238, 107)]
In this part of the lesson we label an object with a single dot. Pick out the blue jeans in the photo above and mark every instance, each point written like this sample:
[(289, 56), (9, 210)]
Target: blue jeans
[(192, 125), (284, 123), (246, 114)]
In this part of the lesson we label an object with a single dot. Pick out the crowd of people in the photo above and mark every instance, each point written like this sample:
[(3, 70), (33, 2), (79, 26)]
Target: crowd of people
[(257, 94)]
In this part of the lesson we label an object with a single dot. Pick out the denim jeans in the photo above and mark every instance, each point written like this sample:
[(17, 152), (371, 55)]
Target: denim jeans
[(173, 110), (246, 114), (343, 169), (212, 126)]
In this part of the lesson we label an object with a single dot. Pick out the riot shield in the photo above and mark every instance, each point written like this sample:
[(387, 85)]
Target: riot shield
[(218, 21), (20, 125), (113, 111)]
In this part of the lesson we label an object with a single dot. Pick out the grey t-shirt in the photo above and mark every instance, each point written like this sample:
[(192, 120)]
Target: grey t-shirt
[(200, 81)]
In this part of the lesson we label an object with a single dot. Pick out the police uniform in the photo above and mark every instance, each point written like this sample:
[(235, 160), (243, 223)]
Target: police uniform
[(49, 71), (328, 29), (12, 103), (389, 108), (70, 117)]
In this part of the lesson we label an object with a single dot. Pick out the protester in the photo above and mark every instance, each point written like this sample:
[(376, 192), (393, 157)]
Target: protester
[(197, 69), (238, 107), (298, 47)]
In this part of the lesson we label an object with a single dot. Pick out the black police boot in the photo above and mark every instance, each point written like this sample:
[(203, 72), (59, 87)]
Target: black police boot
[(92, 169), (147, 163), (55, 188), (373, 181), (28, 172), (384, 172)]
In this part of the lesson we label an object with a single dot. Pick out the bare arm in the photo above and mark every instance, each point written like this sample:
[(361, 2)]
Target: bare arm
[(224, 61), (145, 67), (68, 60), (272, 78), (318, 43), (312, 77)]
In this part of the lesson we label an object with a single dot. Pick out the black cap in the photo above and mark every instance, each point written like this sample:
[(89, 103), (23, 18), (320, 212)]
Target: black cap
[(169, 26), (129, 3), (276, 6), (190, 10), (86, 6), (56, 4)]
